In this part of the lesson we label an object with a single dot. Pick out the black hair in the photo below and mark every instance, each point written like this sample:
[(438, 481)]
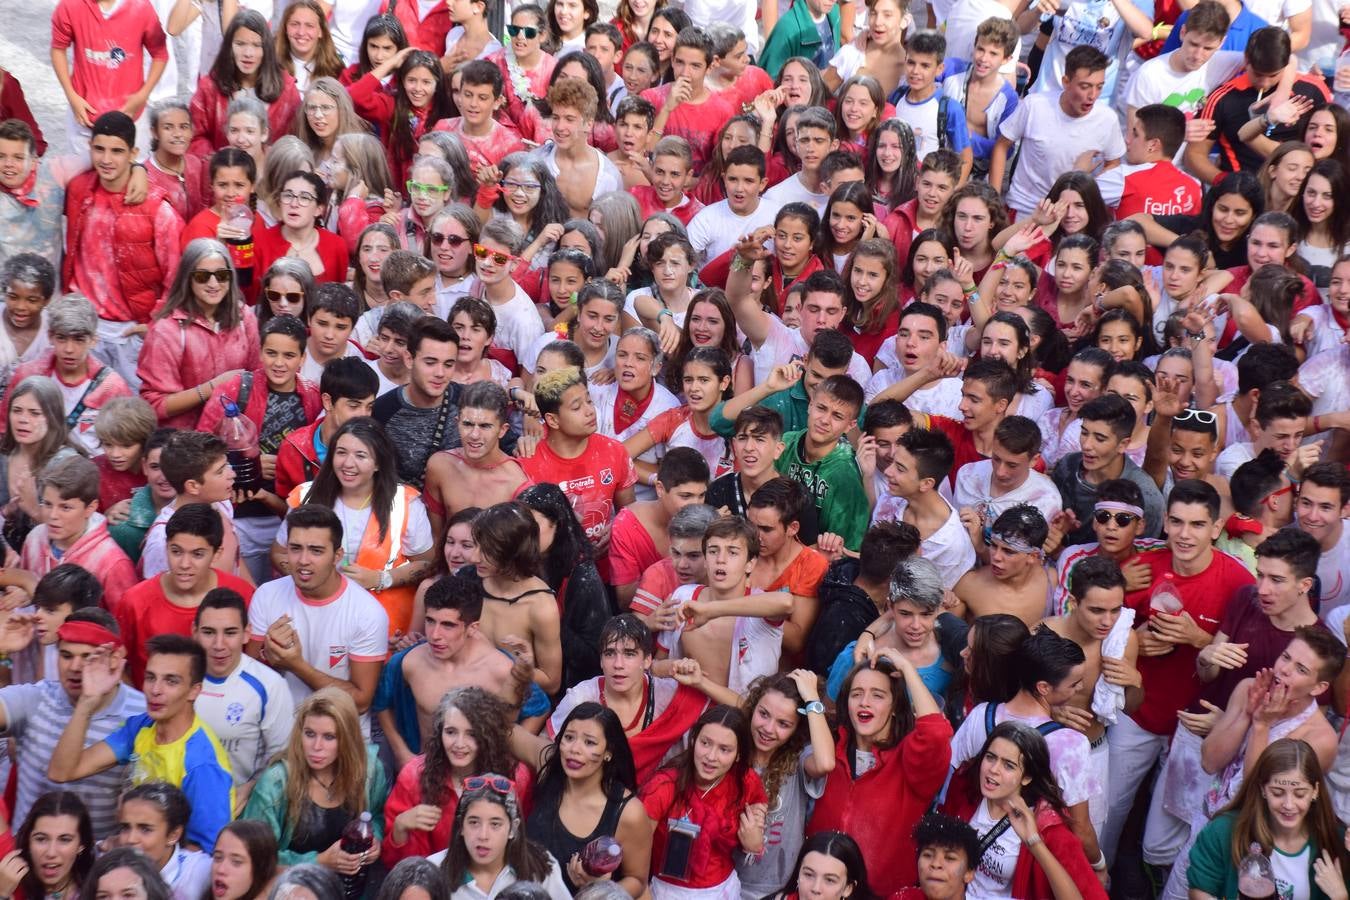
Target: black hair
[(932, 451), (1193, 490), (1045, 656), (462, 594), (1255, 480), (948, 833), (179, 645), (1296, 547), (625, 628), (1096, 571), (198, 519), (1113, 410), (68, 583), (1264, 364), (287, 326), (348, 378), (1018, 434), (886, 414), (222, 598), (682, 465)]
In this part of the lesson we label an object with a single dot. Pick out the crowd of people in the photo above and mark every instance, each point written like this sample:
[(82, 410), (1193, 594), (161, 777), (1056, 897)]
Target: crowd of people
[(809, 449)]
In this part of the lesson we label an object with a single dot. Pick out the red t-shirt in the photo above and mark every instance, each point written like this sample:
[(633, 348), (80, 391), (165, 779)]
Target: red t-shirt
[(631, 549), (656, 586), (115, 486), (649, 203), (145, 612), (717, 813), (109, 64), (1170, 682), (751, 83), (591, 480), (1163, 190), (963, 442), (697, 123)]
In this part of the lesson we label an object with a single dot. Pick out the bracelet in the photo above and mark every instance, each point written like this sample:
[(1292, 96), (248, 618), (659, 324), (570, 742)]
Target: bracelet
[(1100, 864), (739, 263), (1033, 841), (665, 312), (870, 633), (386, 581), (1316, 427), (200, 396)]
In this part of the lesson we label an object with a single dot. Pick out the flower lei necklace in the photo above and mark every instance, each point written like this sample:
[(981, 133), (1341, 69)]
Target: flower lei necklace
[(520, 82)]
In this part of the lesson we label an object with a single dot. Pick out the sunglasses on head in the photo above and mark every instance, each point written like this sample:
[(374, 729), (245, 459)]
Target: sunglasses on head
[(1102, 516), (202, 276), (453, 240), (499, 783), (496, 256), (529, 31), (1203, 416), (288, 296)]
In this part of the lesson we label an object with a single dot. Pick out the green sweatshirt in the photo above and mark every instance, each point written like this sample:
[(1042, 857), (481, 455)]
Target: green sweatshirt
[(834, 482)]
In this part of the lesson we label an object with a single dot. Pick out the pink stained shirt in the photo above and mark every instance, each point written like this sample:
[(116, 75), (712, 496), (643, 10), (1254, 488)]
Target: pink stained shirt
[(110, 50)]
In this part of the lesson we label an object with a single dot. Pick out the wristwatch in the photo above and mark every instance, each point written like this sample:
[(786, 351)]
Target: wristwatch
[(386, 581), (815, 706)]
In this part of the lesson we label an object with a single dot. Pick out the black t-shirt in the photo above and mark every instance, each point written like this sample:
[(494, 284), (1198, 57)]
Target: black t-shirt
[(727, 491), (1229, 105)]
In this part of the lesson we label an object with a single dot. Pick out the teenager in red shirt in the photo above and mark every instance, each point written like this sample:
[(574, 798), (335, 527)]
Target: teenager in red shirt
[(167, 603), (110, 41), (686, 107), (594, 471), (1155, 185)]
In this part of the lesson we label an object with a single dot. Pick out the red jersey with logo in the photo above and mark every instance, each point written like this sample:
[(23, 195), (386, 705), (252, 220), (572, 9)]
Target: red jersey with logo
[(1170, 682), (591, 480), (1161, 190), (697, 123), (109, 63)]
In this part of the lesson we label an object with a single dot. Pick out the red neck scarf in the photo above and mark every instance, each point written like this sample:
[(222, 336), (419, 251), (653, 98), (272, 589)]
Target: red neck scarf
[(627, 410), (25, 192)]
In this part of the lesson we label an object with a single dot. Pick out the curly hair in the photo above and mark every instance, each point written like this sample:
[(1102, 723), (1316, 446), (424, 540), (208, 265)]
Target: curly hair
[(784, 761), (488, 720)]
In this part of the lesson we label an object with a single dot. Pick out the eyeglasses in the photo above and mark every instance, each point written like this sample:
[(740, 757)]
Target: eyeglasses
[(496, 256), (499, 783), (1102, 516), (321, 112), (453, 240), (294, 297), (523, 187), (529, 31), (202, 276), (426, 190), (304, 198), (1203, 416)]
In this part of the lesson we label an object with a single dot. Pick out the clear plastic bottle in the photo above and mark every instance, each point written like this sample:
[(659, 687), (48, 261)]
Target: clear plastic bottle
[(1340, 83), (601, 856), (357, 837), (241, 447), (1256, 879), (1165, 597), (240, 216)]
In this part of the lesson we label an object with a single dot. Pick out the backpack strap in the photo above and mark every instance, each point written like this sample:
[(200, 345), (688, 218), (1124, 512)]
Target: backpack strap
[(944, 138), (73, 418)]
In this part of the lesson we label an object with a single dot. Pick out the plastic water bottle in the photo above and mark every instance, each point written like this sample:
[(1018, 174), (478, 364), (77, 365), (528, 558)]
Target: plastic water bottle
[(1165, 597), (240, 216), (241, 447), (601, 856), (358, 837), (1256, 879), (1340, 83)]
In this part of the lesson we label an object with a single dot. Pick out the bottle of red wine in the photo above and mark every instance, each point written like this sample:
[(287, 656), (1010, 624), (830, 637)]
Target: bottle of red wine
[(601, 856)]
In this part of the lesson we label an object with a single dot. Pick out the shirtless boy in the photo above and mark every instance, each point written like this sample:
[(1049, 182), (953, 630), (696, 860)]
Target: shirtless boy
[(582, 172), (1098, 591), (455, 654), (1016, 580), (478, 472)]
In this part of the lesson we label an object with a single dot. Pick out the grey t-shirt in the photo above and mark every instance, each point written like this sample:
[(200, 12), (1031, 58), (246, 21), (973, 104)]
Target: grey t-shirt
[(784, 834), (35, 716), (412, 428), (1081, 497)]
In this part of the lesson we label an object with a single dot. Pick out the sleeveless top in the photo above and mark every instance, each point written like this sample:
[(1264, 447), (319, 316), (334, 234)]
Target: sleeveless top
[(545, 827)]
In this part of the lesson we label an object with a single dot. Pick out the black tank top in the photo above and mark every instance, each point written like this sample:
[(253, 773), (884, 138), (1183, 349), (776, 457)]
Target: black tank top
[(545, 827)]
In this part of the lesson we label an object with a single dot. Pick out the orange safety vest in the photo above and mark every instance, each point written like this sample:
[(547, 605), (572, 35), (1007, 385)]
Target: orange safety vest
[(383, 555)]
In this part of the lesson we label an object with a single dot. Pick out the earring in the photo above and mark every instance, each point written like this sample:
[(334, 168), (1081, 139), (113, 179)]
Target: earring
[(608, 757)]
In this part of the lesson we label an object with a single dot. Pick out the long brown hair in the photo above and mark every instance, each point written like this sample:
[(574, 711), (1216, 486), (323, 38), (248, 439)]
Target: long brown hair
[(488, 717), (327, 62), (230, 313), (872, 318), (1251, 823), (784, 761), (902, 712), (349, 778), (672, 370)]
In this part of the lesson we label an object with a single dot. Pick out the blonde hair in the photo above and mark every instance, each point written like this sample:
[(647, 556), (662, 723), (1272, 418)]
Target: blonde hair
[(348, 122), (349, 775), (550, 387)]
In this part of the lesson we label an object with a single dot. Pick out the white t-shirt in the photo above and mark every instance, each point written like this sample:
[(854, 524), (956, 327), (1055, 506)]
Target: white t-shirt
[(1278, 12), (941, 398), (1326, 333), (1291, 871), (756, 648), (350, 626), (922, 118), (84, 427), (792, 190), (1232, 456), (848, 61), (994, 874), (449, 292), (154, 550), (1156, 81), (1326, 378), (312, 370), (972, 489), (949, 548), (782, 343), (607, 176), (964, 19), (348, 23), (531, 357), (416, 538), (518, 324), (250, 711), (1333, 571), (736, 13), (715, 229), (1069, 751), (603, 396), (1054, 445), (1096, 23), (1052, 141), (453, 36)]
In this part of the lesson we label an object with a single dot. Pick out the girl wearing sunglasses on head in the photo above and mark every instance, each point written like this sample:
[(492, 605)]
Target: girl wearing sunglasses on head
[(202, 337), (489, 850)]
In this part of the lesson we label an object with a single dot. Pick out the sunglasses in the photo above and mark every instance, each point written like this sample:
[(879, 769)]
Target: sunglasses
[(453, 240), (1102, 516), (1287, 489), (499, 783), (289, 296), (496, 256), (426, 190), (220, 276), (529, 31), (1203, 416)]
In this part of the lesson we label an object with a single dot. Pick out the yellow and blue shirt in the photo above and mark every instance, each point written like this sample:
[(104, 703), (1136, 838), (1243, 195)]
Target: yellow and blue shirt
[(196, 763)]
